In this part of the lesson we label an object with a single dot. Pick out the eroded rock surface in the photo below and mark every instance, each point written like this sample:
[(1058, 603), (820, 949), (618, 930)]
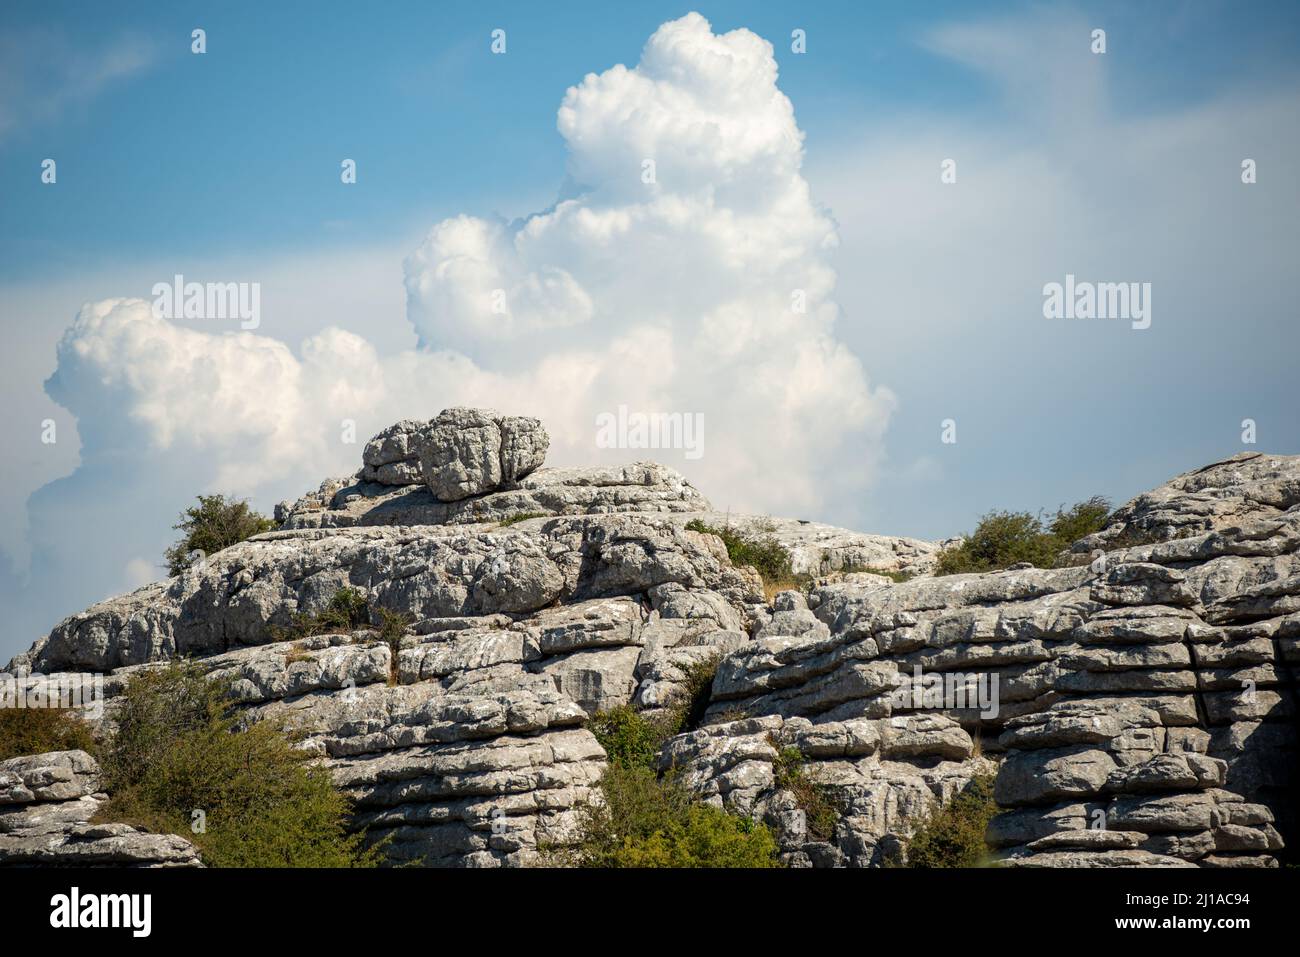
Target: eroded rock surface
[(1137, 708), (46, 804)]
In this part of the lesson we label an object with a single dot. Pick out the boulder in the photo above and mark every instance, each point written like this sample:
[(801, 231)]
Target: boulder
[(469, 452)]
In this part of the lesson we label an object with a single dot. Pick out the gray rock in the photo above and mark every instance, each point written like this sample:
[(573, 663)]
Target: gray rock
[(468, 452), (1141, 717), (54, 776), (392, 457)]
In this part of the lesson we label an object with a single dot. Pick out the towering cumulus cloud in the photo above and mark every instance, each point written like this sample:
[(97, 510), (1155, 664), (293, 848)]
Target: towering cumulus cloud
[(684, 271), (689, 270)]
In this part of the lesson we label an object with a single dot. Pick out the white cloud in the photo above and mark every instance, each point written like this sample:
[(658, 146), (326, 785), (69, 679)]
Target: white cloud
[(672, 296), (675, 294)]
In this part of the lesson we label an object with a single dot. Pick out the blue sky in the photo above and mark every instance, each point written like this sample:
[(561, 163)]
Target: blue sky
[(244, 139), (225, 165)]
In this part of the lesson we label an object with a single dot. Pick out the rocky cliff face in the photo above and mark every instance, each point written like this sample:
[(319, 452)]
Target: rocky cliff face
[(1137, 707)]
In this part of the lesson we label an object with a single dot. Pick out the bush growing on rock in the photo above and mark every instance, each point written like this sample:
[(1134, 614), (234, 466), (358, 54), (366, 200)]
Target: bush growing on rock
[(645, 821), (630, 739), (180, 750), (38, 730), (1002, 539), (953, 835), (217, 522), (1083, 518), (347, 610), (814, 799), (762, 551)]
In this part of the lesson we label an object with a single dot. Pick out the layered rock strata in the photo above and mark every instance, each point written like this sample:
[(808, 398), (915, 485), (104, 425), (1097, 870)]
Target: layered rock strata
[(1136, 706)]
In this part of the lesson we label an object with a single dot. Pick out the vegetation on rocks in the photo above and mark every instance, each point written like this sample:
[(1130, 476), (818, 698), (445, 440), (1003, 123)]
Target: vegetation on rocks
[(953, 835), (644, 819), (632, 738), (38, 730), (246, 796), (647, 821), (759, 550), (217, 522), (1002, 539), (347, 610), (816, 800)]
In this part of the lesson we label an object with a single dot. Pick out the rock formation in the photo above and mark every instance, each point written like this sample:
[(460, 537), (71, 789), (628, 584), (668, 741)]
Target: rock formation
[(46, 804), (1143, 708)]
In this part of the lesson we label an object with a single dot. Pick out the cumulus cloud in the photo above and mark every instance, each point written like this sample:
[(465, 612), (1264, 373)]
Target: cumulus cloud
[(675, 294), (673, 275)]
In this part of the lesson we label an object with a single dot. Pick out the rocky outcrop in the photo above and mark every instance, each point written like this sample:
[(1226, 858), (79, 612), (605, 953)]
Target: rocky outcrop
[(1245, 488), (47, 802), (1136, 708), (1145, 703), (391, 457), (240, 594), (460, 453), (468, 452), (643, 487)]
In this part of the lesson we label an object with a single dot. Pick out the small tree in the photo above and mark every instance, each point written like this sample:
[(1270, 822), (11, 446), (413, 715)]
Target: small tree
[(217, 522)]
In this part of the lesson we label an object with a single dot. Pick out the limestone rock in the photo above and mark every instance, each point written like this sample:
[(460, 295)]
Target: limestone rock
[(466, 452), (1140, 715), (391, 457), (46, 803)]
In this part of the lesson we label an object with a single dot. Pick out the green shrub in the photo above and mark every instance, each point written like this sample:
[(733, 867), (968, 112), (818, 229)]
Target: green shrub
[(217, 522), (157, 708), (347, 610), (38, 730), (645, 821), (1002, 539), (179, 749), (817, 801), (1084, 518), (761, 550), (953, 835), (631, 739)]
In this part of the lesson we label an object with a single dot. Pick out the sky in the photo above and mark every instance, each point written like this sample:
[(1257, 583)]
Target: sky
[(820, 176)]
